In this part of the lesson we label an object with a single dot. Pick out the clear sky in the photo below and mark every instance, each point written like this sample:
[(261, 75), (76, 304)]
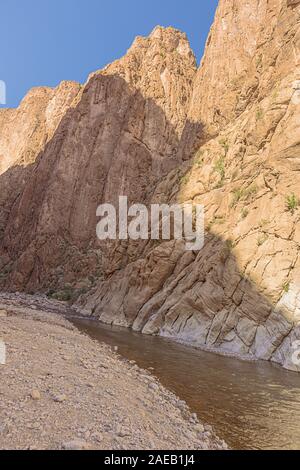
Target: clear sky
[(46, 41)]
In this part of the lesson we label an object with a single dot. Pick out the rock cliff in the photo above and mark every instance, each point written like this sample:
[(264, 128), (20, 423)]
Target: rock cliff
[(24, 133), (122, 133), (153, 127)]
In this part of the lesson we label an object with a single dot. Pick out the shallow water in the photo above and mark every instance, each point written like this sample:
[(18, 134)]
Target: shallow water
[(250, 405)]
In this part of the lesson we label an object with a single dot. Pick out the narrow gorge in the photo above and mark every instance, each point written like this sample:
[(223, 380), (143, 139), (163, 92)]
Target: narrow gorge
[(155, 128), (117, 343)]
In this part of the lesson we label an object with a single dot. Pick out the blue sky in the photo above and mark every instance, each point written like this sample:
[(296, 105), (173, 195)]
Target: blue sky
[(46, 41)]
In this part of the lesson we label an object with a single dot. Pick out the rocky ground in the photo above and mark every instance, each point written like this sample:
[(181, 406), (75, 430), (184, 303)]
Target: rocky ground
[(60, 389)]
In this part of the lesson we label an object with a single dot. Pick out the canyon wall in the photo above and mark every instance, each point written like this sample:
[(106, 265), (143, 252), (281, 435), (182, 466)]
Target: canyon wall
[(121, 137), (24, 133), (153, 127)]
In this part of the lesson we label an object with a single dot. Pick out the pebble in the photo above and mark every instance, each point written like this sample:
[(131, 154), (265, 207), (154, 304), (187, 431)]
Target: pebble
[(153, 386), (123, 433), (200, 428), (76, 445), (60, 398), (35, 395), (97, 437)]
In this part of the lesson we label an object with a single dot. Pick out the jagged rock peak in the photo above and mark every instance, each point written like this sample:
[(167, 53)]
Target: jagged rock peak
[(170, 39), (162, 67)]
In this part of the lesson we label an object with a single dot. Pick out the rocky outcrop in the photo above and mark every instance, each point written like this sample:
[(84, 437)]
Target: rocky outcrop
[(151, 127), (162, 67), (25, 131)]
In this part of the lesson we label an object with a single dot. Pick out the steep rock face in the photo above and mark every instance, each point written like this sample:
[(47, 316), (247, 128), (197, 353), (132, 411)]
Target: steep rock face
[(123, 133), (24, 133), (252, 46), (162, 66), (240, 294)]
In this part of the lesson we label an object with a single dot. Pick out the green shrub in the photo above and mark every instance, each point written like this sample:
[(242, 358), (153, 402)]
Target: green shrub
[(237, 196), (259, 60), (217, 220), (185, 179), (6, 271), (240, 194), (219, 185), (50, 293), (78, 292), (220, 220), (259, 114), (286, 287), (251, 191), (244, 213), (261, 240), (230, 244), (292, 202), (64, 295), (225, 145), (263, 222), (199, 158), (220, 167)]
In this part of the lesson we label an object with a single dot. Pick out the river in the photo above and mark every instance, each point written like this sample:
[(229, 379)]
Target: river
[(251, 405)]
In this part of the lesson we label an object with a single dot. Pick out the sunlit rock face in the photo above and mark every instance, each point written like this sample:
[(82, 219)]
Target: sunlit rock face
[(24, 131), (252, 48), (153, 127)]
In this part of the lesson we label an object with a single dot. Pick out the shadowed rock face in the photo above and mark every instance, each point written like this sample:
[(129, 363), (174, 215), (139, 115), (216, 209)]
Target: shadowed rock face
[(122, 134), (151, 127), (24, 133)]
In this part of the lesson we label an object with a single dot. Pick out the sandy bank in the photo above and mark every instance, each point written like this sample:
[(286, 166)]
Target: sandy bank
[(60, 389)]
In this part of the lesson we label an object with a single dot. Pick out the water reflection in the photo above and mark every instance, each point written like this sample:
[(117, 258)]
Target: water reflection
[(250, 405)]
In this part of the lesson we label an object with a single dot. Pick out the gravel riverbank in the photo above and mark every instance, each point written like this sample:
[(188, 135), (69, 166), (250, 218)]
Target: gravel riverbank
[(59, 389)]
